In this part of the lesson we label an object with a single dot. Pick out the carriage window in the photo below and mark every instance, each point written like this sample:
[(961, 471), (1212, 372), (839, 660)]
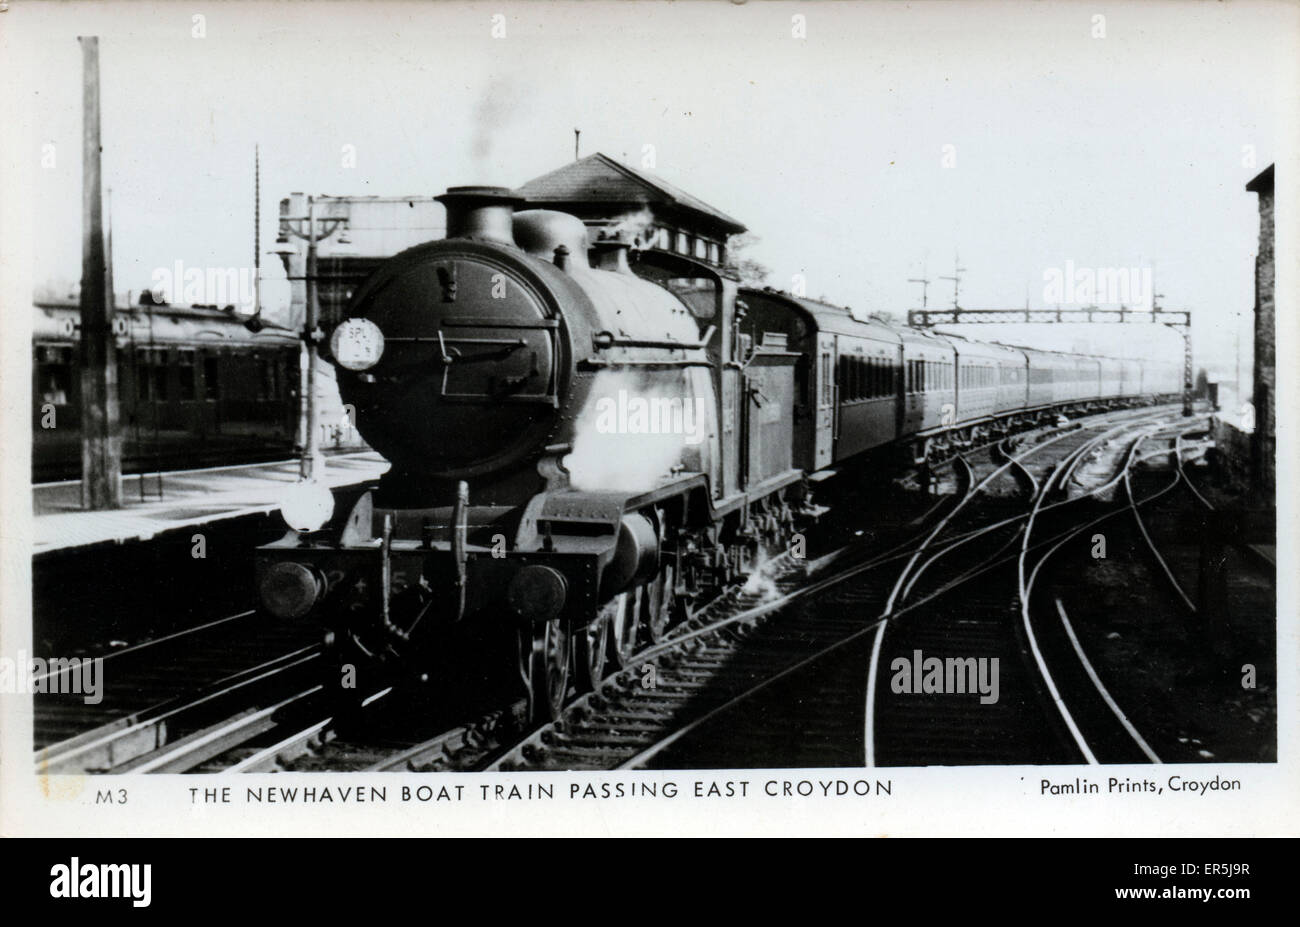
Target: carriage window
[(266, 380), (185, 368), (211, 383), (54, 373), (151, 373), (683, 245)]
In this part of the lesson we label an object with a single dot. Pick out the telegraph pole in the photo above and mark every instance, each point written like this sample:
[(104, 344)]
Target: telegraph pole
[(956, 281), (257, 231), (101, 438), (925, 286), (313, 230)]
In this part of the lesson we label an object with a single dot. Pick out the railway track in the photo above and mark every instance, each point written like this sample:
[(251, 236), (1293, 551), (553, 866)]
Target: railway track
[(163, 690), (729, 660), (1090, 724), (738, 659), (980, 643)]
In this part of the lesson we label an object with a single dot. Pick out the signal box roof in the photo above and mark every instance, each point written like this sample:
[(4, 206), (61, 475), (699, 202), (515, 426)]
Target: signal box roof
[(599, 179)]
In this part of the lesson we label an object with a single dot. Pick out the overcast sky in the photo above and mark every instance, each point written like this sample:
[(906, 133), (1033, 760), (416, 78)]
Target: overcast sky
[(1127, 150)]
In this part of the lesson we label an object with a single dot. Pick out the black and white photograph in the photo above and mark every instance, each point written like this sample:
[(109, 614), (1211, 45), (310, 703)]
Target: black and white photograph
[(857, 417)]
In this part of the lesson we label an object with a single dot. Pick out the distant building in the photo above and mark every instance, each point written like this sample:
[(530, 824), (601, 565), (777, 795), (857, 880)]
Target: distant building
[(377, 228), (611, 197), (1264, 442)]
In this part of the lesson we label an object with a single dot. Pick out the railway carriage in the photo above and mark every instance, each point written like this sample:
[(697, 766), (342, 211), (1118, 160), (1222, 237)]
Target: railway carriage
[(1013, 380), (1045, 375), (1130, 377), (929, 388), (1111, 373), (195, 388), (990, 378), (1087, 378), (848, 375)]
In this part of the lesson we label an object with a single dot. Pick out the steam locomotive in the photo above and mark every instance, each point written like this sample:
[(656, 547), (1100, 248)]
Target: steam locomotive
[(584, 448)]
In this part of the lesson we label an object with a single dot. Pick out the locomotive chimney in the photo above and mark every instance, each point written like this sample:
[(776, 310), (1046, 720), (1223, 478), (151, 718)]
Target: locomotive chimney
[(480, 212), (611, 255)]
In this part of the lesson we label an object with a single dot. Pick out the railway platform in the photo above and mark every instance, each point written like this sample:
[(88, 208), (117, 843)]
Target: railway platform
[(179, 499)]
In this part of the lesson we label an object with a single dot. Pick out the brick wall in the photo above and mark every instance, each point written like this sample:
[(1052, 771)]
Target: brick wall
[(1233, 453), (1264, 444)]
